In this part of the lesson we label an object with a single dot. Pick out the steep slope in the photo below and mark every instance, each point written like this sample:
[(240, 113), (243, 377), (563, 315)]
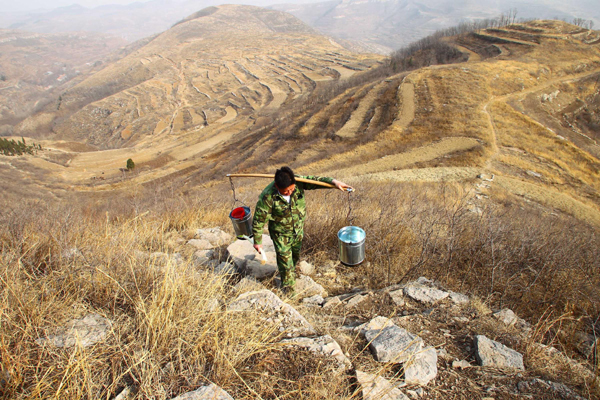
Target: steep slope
[(190, 89), (384, 26), (35, 68), (526, 116)]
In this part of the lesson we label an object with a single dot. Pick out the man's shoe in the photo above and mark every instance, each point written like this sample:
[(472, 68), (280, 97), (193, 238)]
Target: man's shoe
[(289, 291)]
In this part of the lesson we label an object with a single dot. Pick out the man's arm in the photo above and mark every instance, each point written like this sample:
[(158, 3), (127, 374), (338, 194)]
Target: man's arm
[(310, 186), (262, 213)]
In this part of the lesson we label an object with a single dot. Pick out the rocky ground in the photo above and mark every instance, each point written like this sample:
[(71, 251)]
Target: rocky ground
[(407, 341)]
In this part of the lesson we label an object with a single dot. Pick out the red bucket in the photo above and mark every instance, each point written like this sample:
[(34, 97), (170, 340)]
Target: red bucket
[(238, 213)]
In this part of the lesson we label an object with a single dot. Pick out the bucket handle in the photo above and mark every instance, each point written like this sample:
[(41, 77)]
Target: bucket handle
[(235, 199)]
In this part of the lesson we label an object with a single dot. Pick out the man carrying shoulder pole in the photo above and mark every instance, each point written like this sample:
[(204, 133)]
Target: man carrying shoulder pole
[(283, 206)]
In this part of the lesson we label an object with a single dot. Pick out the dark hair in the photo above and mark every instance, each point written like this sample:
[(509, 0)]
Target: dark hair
[(284, 177)]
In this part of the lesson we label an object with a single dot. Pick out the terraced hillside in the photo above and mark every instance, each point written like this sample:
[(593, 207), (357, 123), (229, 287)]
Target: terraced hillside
[(197, 103), (36, 68), (512, 111), (202, 74)]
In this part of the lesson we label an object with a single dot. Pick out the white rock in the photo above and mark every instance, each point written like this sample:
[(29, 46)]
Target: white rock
[(356, 300), (458, 298), (292, 322), (393, 344), (490, 353), (422, 368), (305, 268), (248, 284), (397, 297), (325, 345), (315, 300), (376, 323), (378, 388), (215, 236), (200, 244), (462, 364), (85, 331), (202, 257), (211, 392), (332, 302), (307, 287), (249, 261), (424, 294), (425, 282), (259, 269), (506, 316)]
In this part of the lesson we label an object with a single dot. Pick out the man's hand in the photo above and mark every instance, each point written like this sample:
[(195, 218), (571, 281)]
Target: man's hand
[(341, 185), (258, 247)]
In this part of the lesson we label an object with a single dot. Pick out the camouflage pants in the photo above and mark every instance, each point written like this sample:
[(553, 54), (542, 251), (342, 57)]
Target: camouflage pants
[(288, 254)]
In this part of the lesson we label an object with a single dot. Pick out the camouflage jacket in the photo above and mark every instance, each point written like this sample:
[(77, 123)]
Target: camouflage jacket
[(284, 218)]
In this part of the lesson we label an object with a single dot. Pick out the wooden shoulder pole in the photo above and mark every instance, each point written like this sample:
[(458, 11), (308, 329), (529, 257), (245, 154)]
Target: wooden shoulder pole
[(324, 184)]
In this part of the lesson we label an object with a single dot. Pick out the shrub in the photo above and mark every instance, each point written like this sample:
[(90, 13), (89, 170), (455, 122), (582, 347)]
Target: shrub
[(130, 164)]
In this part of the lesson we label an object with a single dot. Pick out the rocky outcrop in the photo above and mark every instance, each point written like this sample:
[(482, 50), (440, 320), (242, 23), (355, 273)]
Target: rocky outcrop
[(490, 353), (424, 294), (210, 392), (375, 387), (393, 344), (422, 368), (324, 345), (249, 262), (85, 332), (290, 321)]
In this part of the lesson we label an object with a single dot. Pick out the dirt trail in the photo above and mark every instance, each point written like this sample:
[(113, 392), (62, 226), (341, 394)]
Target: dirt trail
[(422, 175), (403, 160), (351, 126), (406, 114), (406, 96), (473, 57), (231, 114), (549, 197)]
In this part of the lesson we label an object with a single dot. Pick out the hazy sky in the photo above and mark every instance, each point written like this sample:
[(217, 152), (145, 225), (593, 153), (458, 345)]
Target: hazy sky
[(30, 5)]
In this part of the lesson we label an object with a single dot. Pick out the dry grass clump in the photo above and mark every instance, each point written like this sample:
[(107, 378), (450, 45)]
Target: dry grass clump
[(509, 255), (170, 332)]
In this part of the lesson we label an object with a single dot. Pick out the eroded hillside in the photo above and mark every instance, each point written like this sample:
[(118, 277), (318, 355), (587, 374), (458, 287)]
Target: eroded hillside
[(35, 68), (211, 97)]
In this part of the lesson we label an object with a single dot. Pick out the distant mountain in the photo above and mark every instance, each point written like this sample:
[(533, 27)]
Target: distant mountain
[(386, 25), (380, 25), (219, 66), (35, 68)]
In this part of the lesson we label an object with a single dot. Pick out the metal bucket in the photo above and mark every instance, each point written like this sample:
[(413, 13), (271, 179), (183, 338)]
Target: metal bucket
[(351, 241), (243, 225)]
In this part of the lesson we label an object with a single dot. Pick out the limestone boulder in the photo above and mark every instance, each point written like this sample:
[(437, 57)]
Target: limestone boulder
[(214, 236), (290, 321), (375, 387), (203, 257), (247, 260), (257, 268), (315, 300), (393, 344), (325, 345), (422, 368), (458, 298), (85, 331), (397, 297), (424, 294), (490, 353), (305, 268), (376, 323), (210, 392), (307, 287)]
